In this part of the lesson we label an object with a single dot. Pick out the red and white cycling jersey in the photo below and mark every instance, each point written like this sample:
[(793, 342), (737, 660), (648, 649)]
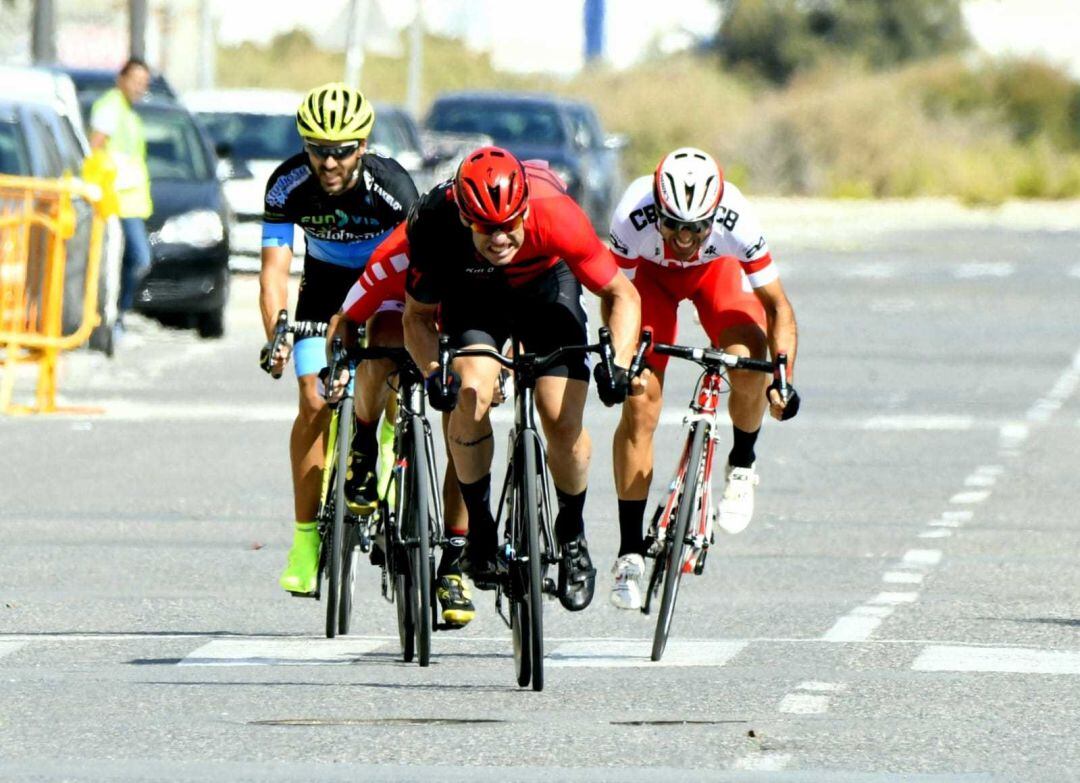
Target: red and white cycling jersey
[(382, 281), (635, 236)]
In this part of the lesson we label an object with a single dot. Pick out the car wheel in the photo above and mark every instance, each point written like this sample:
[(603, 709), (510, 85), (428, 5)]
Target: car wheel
[(212, 324)]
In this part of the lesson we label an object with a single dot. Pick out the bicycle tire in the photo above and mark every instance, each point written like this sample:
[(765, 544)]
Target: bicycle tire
[(420, 553), (397, 563), (337, 527), (349, 566), (676, 542), (516, 589), (535, 596)]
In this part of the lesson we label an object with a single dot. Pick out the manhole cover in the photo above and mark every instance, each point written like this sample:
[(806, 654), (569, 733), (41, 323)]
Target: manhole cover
[(374, 721)]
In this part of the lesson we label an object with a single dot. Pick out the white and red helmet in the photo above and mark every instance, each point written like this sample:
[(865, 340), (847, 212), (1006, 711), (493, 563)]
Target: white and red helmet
[(687, 186)]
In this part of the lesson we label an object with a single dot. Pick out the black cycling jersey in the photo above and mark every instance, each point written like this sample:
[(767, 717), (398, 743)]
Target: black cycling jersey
[(341, 229)]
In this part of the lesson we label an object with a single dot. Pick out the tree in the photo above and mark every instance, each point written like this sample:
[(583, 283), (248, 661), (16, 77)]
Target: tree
[(777, 38)]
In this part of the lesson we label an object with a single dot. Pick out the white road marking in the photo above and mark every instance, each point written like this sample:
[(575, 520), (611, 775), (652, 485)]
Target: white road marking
[(873, 271), (915, 422), (763, 762), (620, 653), (1013, 660), (936, 534), (921, 557), (821, 687), (983, 269), (282, 652), (804, 703), (7, 648), (857, 626), (1075, 271), (980, 480), (968, 498), (945, 523), (893, 599), (1012, 435), (902, 578), (963, 515)]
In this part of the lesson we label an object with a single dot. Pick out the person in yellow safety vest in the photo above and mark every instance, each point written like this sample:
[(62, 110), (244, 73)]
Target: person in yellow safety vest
[(118, 130)]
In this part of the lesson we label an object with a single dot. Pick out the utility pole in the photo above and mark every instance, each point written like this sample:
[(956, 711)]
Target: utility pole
[(358, 16), (43, 33), (207, 47), (137, 28), (416, 61)]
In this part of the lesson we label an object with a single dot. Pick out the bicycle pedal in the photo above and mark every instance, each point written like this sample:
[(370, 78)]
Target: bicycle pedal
[(699, 564), (303, 595), (549, 587)]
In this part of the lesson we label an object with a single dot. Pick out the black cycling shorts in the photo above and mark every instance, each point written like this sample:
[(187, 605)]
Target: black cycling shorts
[(543, 314), (323, 289)]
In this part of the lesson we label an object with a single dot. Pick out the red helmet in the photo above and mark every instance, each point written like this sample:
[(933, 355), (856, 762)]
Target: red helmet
[(490, 187)]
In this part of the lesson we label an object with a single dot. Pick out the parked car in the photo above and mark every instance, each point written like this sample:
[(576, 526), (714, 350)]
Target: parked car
[(90, 83), (188, 281), (254, 130), (42, 136), (567, 134)]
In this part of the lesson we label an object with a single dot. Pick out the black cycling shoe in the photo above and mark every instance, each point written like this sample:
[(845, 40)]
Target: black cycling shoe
[(479, 563), (361, 484), (377, 556), (577, 577)]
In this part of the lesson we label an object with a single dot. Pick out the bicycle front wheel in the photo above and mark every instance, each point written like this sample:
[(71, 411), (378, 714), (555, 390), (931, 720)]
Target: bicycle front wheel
[(534, 598), (420, 530), (676, 540), (350, 561), (336, 543)]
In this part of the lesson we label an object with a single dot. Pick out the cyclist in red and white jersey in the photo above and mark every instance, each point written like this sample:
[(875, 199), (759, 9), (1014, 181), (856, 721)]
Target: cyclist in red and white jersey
[(691, 235)]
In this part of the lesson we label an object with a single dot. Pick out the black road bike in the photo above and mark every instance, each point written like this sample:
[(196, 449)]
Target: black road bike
[(524, 511)]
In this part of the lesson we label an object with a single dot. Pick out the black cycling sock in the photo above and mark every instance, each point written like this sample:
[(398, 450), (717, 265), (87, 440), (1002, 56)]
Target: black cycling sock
[(365, 440), (631, 520), (742, 448), (451, 555), (477, 497), (570, 521)]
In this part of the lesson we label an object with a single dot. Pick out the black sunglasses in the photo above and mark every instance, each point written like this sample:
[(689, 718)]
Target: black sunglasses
[(694, 227), (337, 151)]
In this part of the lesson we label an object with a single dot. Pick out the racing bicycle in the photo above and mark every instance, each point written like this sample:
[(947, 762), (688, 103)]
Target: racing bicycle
[(524, 511), (680, 533)]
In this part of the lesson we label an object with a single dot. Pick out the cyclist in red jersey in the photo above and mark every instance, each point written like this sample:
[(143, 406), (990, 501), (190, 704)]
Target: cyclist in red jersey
[(499, 252), (690, 235)]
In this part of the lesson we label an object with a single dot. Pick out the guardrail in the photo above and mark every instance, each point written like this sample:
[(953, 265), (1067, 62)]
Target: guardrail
[(37, 218)]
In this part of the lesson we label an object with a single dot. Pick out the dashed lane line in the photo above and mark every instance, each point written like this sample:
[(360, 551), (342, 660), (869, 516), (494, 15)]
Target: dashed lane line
[(996, 659)]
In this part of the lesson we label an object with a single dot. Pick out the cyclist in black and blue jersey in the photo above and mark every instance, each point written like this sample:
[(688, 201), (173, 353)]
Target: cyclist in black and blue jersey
[(346, 201)]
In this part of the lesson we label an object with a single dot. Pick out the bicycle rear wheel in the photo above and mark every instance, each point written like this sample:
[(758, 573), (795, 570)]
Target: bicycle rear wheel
[(676, 541), (336, 531)]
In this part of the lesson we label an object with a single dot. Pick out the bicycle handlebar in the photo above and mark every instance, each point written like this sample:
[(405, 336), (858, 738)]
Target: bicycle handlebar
[(713, 357), (282, 328), (539, 363)]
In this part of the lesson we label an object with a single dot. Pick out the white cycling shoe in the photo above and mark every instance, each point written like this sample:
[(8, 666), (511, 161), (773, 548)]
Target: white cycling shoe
[(736, 506), (626, 593)]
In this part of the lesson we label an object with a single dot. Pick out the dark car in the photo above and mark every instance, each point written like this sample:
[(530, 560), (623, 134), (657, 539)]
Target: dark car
[(188, 281), (90, 83), (565, 133)]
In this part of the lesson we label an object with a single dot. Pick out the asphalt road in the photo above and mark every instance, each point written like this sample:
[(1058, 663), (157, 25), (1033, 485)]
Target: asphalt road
[(904, 606)]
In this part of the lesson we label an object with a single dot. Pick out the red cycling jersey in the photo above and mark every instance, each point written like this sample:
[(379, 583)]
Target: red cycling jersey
[(382, 280)]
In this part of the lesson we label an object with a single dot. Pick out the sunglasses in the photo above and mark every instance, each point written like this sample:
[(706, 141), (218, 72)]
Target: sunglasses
[(694, 227), (494, 228), (337, 151)]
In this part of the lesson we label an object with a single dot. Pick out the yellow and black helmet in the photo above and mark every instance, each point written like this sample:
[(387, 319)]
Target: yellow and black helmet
[(335, 112)]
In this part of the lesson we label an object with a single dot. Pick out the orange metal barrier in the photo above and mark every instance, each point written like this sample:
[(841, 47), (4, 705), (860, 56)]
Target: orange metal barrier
[(36, 220)]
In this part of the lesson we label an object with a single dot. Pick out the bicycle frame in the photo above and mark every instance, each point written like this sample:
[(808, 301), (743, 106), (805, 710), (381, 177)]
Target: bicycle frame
[(704, 406)]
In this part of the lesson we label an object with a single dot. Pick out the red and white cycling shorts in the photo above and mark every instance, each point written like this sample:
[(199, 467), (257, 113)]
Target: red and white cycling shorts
[(716, 289)]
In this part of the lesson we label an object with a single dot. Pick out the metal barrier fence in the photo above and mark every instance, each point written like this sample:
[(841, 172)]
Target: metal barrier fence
[(37, 218)]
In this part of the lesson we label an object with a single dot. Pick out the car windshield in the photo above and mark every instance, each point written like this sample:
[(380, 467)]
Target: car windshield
[(174, 149), (12, 150), (254, 136), (507, 124)]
